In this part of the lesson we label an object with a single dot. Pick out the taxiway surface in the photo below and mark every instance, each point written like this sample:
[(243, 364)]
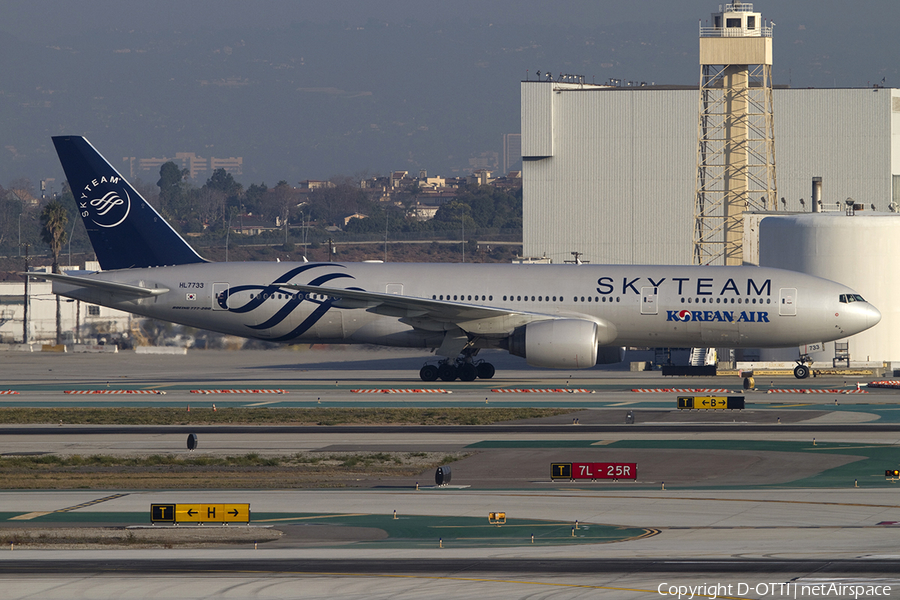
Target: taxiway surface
[(741, 502)]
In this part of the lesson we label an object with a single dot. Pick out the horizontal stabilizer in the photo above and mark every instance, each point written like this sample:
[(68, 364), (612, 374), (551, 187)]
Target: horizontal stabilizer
[(100, 284)]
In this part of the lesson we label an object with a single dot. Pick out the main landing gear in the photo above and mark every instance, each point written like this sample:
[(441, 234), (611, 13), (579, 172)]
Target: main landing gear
[(463, 368)]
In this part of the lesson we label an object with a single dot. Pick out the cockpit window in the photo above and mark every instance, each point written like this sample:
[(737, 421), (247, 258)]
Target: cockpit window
[(847, 298)]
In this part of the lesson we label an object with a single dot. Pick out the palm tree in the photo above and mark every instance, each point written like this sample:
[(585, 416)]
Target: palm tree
[(54, 220)]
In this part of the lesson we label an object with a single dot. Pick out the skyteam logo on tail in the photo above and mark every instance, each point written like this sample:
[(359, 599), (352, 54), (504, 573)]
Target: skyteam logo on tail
[(105, 207)]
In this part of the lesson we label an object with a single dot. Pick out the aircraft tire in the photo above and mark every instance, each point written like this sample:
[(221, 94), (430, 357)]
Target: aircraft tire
[(428, 373), (801, 371), (485, 370), (447, 372), (468, 372)]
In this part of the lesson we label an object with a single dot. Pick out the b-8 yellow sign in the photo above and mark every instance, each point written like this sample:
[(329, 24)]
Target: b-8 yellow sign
[(200, 513), (711, 402)]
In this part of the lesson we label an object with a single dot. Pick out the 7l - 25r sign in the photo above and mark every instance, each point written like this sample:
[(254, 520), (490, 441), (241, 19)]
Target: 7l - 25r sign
[(593, 470)]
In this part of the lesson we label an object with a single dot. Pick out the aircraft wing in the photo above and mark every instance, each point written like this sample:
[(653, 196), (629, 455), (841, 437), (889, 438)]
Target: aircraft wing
[(426, 313), (100, 284)]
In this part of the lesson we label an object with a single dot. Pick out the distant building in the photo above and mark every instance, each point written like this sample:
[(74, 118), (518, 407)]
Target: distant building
[(250, 225), (397, 178), (512, 181), (486, 160), (23, 196), (512, 150), (431, 182), (422, 212), (479, 177), (199, 168), (81, 321), (312, 184)]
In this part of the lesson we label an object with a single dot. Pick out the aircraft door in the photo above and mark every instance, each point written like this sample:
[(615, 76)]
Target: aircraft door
[(787, 302), (394, 288), (220, 292), (649, 301)]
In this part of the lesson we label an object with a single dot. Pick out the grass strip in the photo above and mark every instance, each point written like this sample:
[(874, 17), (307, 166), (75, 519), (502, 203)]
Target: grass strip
[(248, 471), (271, 416)]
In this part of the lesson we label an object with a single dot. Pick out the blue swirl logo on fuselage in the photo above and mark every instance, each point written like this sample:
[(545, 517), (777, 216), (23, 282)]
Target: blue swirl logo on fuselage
[(264, 293)]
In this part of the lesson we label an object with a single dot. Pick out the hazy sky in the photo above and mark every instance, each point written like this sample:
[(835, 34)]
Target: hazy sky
[(310, 89), (50, 17), (53, 16)]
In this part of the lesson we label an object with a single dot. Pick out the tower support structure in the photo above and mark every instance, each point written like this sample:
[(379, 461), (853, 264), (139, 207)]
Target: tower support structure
[(736, 132)]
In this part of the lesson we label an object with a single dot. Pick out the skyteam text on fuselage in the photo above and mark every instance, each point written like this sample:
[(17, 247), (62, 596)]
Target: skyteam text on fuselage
[(555, 316)]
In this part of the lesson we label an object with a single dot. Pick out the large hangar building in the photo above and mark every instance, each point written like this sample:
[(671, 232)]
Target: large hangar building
[(611, 172)]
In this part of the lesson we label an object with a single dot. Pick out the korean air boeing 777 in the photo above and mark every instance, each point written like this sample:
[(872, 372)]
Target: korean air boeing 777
[(555, 316)]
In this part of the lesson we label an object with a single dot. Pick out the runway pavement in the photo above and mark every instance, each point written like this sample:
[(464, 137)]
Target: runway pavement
[(749, 505)]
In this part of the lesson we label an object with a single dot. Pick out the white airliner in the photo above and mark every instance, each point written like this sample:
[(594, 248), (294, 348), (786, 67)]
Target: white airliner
[(555, 316)]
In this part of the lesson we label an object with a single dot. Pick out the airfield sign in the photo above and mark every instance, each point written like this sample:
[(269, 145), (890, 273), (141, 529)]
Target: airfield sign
[(593, 470), (199, 513)]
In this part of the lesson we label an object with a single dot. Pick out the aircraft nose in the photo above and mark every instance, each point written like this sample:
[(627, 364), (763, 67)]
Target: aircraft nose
[(862, 316), (873, 315)]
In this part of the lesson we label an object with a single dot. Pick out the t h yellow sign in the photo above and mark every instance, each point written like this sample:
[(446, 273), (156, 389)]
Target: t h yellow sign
[(200, 513)]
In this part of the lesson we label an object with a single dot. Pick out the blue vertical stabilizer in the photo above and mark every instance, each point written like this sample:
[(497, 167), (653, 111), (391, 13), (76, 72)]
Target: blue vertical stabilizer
[(124, 229)]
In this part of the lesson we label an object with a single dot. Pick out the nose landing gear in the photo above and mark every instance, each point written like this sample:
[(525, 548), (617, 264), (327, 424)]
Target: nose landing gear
[(802, 370)]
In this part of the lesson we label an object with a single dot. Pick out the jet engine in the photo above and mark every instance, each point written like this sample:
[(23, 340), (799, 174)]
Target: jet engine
[(562, 343)]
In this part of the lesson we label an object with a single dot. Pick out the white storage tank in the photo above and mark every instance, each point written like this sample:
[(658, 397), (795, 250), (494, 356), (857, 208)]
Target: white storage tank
[(856, 248)]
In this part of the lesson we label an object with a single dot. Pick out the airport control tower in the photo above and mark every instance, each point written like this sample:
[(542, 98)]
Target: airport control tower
[(736, 149)]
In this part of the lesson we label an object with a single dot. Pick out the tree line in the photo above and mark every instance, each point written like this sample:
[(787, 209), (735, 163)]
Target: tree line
[(208, 211)]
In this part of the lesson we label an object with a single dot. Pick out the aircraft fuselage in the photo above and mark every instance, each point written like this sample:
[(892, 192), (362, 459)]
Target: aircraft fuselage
[(648, 305)]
